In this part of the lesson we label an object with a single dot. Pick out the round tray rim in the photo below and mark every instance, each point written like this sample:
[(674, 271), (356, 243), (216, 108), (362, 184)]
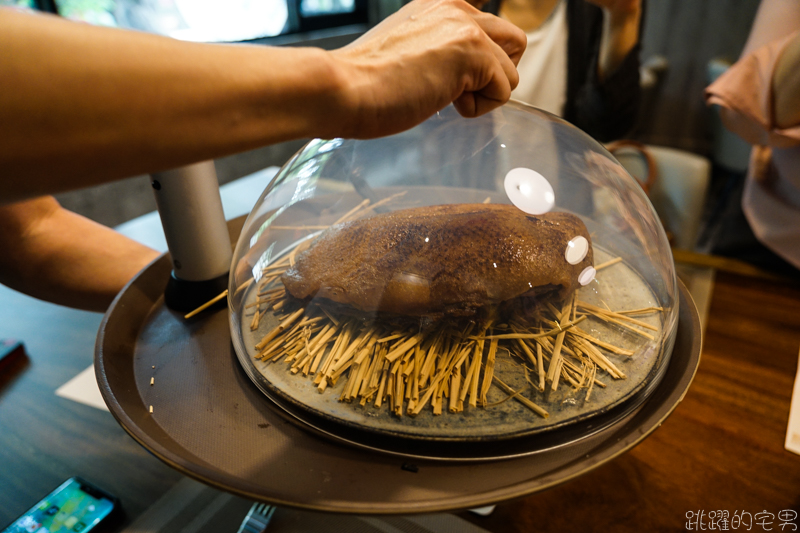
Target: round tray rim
[(658, 407)]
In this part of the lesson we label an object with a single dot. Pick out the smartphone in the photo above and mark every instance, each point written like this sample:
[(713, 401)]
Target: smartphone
[(10, 351), (75, 506)]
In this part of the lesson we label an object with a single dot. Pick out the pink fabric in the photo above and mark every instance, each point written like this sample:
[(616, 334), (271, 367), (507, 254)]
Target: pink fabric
[(746, 90), (771, 200), (774, 20)]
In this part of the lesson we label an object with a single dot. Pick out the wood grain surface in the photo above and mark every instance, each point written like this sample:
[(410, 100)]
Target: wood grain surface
[(721, 450), (45, 439)]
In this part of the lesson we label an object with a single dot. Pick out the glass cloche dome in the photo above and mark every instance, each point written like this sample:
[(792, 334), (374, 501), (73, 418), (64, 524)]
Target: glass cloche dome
[(469, 279)]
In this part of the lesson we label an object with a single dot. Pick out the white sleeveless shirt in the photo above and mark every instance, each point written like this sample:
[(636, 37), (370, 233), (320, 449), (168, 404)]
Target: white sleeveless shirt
[(543, 67)]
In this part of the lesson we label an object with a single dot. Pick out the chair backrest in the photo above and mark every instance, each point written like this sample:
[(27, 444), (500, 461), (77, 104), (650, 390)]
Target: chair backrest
[(679, 191)]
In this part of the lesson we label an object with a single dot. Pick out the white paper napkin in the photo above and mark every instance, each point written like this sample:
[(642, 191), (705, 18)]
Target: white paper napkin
[(793, 431), (83, 389)]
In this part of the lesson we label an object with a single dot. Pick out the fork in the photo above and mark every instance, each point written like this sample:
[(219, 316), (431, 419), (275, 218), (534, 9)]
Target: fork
[(257, 518)]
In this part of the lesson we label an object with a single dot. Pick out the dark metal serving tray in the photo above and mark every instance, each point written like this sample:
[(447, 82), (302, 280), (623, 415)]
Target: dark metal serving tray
[(212, 423)]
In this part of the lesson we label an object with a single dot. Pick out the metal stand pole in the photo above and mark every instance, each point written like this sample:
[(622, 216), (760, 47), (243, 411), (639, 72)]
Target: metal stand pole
[(194, 224)]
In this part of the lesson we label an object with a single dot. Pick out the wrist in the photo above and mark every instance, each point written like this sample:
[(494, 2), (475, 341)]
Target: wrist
[(366, 94), (341, 99), (309, 100)]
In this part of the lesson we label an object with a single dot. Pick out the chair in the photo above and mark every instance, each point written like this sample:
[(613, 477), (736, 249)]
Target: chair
[(679, 191)]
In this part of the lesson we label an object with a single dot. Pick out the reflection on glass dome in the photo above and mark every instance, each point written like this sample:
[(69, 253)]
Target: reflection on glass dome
[(470, 278)]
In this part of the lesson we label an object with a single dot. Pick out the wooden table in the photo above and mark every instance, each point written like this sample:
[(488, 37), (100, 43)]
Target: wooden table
[(722, 449), (44, 439)]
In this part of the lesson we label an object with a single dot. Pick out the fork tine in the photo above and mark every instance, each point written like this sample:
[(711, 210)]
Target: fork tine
[(257, 518)]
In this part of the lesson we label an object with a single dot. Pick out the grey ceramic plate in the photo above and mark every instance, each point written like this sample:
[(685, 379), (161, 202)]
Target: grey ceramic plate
[(618, 287)]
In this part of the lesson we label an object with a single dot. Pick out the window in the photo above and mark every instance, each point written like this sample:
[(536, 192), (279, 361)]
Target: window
[(19, 3), (216, 20)]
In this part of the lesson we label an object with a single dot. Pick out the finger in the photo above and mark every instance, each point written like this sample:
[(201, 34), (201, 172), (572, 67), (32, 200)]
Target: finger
[(491, 86), (475, 104), (471, 105), (508, 37), (507, 64), (494, 78)]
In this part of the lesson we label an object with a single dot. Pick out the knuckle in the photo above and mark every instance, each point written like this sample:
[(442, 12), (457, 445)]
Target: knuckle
[(472, 34)]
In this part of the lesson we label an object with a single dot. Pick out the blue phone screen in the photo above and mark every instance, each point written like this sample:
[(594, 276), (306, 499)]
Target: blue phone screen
[(68, 508)]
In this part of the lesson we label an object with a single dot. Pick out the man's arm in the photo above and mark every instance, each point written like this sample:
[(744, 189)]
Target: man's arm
[(83, 104), (53, 254)]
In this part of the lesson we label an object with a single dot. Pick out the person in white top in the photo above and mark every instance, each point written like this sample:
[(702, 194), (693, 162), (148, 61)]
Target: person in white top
[(543, 67), (582, 60)]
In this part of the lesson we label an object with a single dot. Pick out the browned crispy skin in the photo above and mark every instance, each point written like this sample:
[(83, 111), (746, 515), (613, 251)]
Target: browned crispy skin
[(446, 259)]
